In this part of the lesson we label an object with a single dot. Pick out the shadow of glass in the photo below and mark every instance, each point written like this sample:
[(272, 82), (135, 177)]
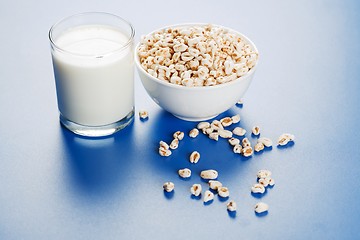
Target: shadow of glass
[(97, 167)]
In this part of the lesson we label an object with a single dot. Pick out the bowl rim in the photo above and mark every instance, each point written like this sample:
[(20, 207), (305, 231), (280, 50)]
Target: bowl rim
[(139, 67)]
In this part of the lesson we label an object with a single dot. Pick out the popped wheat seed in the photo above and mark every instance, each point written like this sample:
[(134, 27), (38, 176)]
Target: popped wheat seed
[(194, 157), (258, 188), (245, 142), (169, 186), (240, 102), (259, 147), (208, 196), (266, 141), (214, 136), (263, 173), (271, 182), (179, 135), (261, 207), (164, 145), (196, 190), (143, 114), (174, 143), (231, 206), (237, 148), (223, 192), (209, 174), (239, 131), (247, 151), (216, 125), (184, 173), (235, 118), (193, 133), (234, 141), (202, 125), (208, 131), (164, 152), (226, 121), (256, 130), (225, 133), (264, 181), (285, 139), (214, 185)]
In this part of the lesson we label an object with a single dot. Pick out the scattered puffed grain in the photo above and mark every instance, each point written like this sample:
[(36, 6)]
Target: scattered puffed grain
[(179, 135), (164, 152), (194, 157), (235, 118), (208, 196), (259, 147), (239, 131), (214, 185), (209, 174), (226, 121), (216, 125), (256, 130), (184, 173), (143, 114), (263, 173), (164, 145), (214, 136), (231, 206), (202, 125), (264, 181), (169, 186), (208, 130), (245, 142), (223, 192), (237, 148), (193, 133), (285, 139), (266, 141), (234, 141), (240, 102), (174, 143), (271, 182), (258, 188), (196, 189), (261, 207), (225, 133), (247, 151)]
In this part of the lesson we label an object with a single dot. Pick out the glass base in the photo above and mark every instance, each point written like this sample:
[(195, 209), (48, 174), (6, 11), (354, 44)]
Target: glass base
[(97, 131)]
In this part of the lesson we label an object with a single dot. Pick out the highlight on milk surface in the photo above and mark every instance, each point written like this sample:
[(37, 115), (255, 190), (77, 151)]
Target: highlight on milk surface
[(92, 57)]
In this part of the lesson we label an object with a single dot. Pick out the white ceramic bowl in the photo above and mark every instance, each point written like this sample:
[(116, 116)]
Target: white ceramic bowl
[(195, 103)]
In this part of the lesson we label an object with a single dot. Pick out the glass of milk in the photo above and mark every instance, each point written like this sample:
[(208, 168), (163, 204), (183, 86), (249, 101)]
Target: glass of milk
[(92, 56)]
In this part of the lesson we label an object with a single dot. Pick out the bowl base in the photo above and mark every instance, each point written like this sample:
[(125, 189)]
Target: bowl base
[(195, 119)]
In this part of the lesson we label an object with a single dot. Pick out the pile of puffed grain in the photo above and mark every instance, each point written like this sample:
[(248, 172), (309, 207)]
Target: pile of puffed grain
[(194, 56)]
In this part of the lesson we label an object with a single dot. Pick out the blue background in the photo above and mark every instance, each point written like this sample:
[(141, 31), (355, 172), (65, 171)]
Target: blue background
[(55, 185)]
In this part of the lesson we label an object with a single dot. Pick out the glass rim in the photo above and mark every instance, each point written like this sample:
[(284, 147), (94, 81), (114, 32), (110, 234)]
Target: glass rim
[(126, 45)]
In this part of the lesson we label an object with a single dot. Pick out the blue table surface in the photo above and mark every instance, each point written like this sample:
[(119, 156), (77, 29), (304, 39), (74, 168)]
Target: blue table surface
[(55, 185)]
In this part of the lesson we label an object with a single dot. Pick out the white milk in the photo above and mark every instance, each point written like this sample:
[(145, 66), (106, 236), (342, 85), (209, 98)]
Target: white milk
[(94, 79)]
